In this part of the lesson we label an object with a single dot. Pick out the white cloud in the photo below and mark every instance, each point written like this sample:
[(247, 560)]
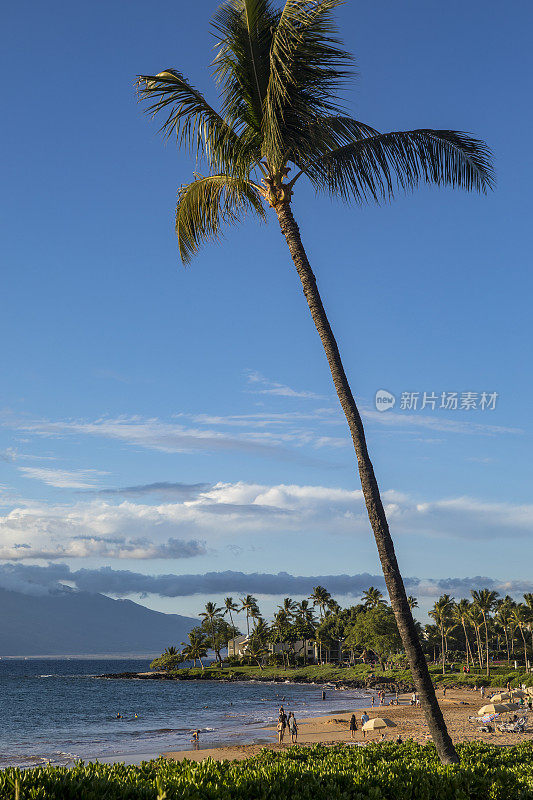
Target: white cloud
[(155, 434), (393, 419), (64, 479), (265, 386), (228, 512)]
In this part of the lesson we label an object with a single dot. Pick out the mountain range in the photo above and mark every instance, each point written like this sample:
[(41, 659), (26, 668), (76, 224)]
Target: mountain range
[(68, 622)]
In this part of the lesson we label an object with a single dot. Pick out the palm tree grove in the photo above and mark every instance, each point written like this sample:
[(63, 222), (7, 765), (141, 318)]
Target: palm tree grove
[(280, 120)]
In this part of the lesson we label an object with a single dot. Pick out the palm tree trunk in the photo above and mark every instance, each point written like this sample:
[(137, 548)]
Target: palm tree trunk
[(507, 645), (478, 642), (525, 647), (487, 643), (467, 646), (376, 512)]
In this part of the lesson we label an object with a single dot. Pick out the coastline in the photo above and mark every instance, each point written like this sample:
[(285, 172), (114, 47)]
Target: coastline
[(368, 683), (409, 721)]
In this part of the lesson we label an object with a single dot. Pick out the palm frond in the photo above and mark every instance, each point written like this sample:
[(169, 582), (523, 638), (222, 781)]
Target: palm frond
[(243, 30), (193, 121), (373, 167), (327, 133), (206, 204), (307, 68)]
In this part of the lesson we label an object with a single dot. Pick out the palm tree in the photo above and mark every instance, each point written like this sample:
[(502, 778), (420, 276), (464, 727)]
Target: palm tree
[(256, 651), (460, 615), (412, 602), (520, 618), (476, 619), (441, 613), (333, 607), (289, 606), (212, 612), (528, 600), (485, 600), (320, 597), (305, 613), (248, 604), (373, 598), (504, 620), (230, 606), (279, 74), (196, 649)]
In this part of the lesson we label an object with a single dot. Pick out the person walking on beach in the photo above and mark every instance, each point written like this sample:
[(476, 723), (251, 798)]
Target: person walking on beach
[(372, 701), (281, 730), (364, 718), (293, 728), (353, 726)]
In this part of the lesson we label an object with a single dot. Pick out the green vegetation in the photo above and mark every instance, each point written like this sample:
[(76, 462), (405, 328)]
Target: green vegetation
[(469, 640), (362, 675), (377, 772)]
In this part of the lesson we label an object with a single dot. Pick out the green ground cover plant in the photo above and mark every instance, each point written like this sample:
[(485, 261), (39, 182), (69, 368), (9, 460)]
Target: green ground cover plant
[(377, 772)]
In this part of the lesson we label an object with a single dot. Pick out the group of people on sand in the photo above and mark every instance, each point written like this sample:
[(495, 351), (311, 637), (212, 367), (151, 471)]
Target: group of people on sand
[(289, 722)]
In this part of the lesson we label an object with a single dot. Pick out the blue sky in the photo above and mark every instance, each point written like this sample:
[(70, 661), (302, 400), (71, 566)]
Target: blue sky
[(122, 370)]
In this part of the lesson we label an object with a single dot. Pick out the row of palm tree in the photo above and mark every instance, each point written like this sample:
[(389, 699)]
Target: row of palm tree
[(486, 615), (483, 620)]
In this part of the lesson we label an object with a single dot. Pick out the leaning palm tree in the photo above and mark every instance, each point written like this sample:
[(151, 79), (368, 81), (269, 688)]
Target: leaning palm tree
[(279, 72), (485, 600)]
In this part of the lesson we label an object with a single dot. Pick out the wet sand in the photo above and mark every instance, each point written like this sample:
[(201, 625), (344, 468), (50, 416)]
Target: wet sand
[(456, 707)]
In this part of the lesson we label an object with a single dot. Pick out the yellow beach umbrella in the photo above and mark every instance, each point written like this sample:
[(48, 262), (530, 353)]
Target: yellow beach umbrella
[(377, 723), (500, 698), (495, 708)]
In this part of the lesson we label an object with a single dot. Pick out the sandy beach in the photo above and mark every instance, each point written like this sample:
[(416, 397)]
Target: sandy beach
[(457, 706)]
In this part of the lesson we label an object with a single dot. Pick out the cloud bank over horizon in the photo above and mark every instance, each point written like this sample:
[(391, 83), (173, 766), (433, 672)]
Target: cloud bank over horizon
[(33, 579)]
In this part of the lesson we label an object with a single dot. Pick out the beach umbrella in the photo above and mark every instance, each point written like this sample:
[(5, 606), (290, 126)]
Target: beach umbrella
[(517, 693), (377, 723), (500, 698), (495, 708)]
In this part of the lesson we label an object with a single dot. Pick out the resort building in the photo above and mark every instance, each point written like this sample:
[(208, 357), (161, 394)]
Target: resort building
[(307, 649)]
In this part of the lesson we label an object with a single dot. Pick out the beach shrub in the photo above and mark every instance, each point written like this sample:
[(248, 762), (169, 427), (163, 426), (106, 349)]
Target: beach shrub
[(376, 772)]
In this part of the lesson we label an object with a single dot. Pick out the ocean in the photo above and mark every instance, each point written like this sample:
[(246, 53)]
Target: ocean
[(57, 710)]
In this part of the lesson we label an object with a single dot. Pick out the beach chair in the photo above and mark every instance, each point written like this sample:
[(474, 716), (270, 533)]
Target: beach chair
[(514, 727)]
